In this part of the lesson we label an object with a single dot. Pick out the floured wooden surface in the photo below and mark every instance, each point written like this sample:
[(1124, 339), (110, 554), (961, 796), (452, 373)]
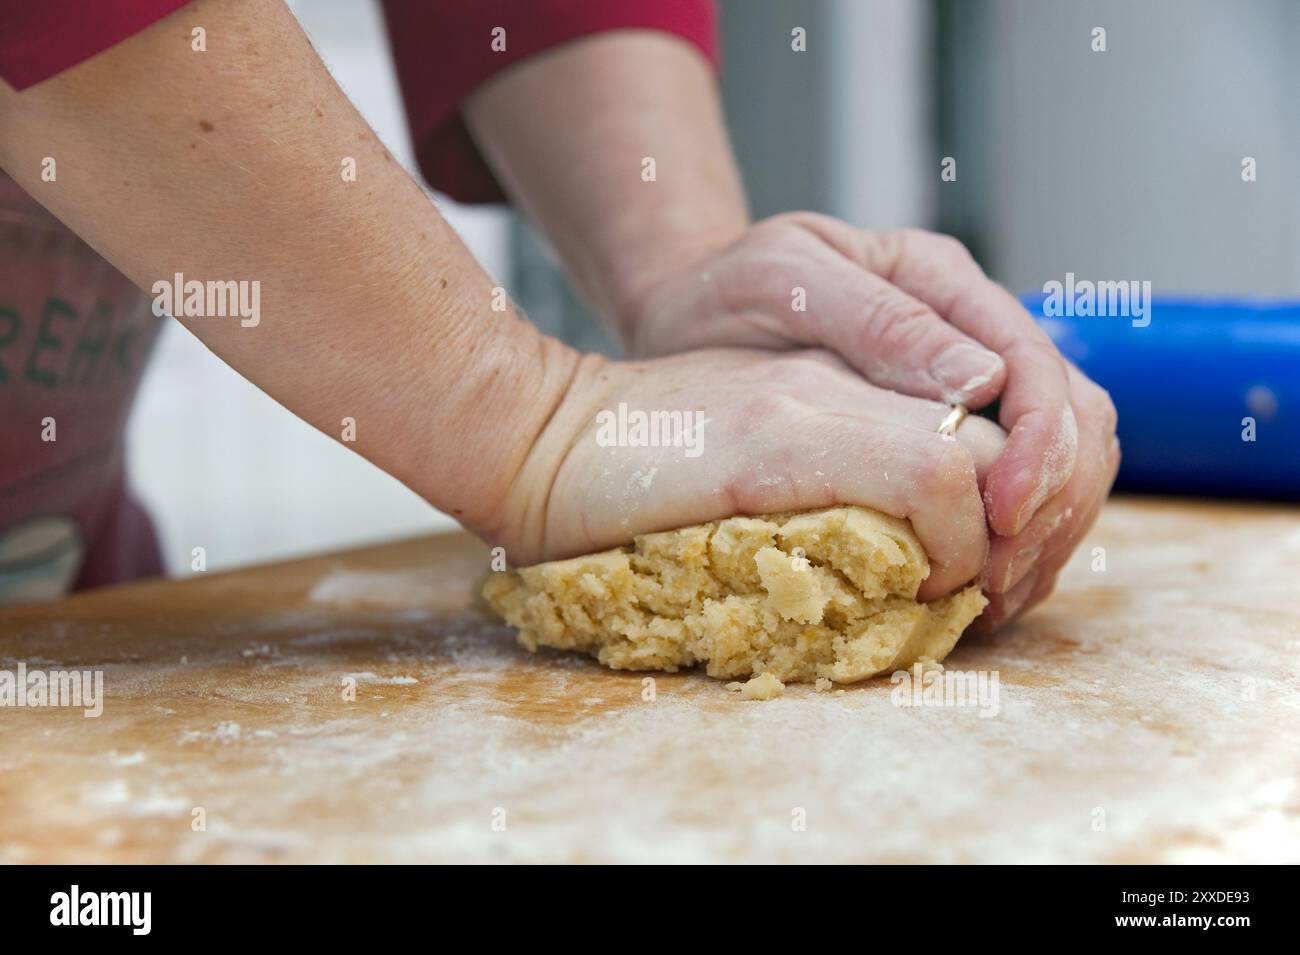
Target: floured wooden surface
[(1147, 713)]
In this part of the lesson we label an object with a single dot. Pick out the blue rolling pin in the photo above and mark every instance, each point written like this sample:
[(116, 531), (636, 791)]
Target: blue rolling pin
[(1183, 384)]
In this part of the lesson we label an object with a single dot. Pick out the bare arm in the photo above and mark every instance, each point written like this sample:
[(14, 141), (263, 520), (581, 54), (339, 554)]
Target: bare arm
[(227, 165), (568, 131)]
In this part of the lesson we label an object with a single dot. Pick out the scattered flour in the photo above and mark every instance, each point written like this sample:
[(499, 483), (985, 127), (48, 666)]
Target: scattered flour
[(385, 589), (368, 677)]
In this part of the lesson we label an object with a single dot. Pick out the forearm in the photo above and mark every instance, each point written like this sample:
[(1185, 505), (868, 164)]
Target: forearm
[(227, 165), (567, 134)]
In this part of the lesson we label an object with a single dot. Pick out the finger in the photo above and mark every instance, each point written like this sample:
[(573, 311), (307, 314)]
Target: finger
[(1034, 586), (1004, 608), (1044, 587), (897, 341), (985, 441), (1054, 533), (890, 336), (1038, 582), (1062, 522), (981, 437), (945, 504), (905, 472), (1035, 407)]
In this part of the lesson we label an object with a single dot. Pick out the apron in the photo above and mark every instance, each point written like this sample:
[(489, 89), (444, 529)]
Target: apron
[(75, 336)]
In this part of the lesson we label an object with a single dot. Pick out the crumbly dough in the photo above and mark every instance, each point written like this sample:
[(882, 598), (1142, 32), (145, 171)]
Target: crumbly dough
[(822, 595), (762, 687)]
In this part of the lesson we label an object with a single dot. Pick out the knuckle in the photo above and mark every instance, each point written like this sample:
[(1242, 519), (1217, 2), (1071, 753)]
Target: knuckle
[(769, 405), (912, 237), (951, 247), (809, 366), (1094, 397), (786, 230), (882, 251), (771, 227), (1106, 412), (784, 220), (937, 243)]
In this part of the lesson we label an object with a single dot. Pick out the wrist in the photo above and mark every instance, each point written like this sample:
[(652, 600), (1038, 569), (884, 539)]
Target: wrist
[(464, 441), (648, 271), (521, 521)]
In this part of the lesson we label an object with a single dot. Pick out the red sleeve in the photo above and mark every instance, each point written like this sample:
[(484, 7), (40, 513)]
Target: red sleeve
[(443, 50), (40, 38)]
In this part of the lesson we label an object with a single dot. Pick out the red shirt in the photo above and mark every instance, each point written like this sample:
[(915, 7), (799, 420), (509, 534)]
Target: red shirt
[(442, 48), (75, 334)]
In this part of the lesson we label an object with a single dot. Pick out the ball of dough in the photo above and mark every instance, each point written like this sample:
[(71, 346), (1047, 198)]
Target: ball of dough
[(827, 594)]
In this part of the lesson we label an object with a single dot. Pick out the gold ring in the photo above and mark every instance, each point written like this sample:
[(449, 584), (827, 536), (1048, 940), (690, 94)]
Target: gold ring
[(952, 421)]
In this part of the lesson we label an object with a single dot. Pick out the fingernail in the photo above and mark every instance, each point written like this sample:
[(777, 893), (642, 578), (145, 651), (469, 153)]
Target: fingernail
[(964, 368), (1015, 598)]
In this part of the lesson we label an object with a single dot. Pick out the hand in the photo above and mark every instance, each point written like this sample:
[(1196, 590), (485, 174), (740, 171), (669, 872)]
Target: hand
[(1022, 570), (913, 312), (792, 431)]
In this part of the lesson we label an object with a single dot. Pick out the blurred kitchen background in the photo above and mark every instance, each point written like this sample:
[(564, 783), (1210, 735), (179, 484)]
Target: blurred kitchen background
[(1122, 164)]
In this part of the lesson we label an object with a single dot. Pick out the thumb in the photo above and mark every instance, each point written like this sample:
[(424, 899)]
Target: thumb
[(898, 342)]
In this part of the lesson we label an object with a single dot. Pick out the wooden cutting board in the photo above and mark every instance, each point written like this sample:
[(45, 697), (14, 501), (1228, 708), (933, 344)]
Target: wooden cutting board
[(1148, 712)]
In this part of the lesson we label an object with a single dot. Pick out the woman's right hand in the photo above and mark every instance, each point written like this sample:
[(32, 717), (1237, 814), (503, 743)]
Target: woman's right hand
[(785, 431)]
